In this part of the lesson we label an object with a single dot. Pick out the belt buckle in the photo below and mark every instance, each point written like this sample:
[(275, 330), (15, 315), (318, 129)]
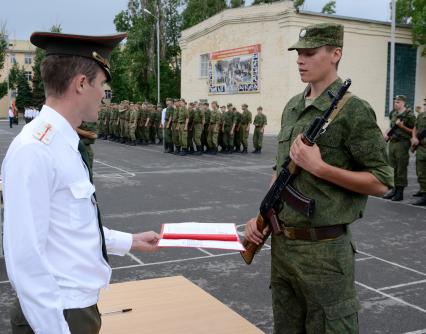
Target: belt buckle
[(289, 233)]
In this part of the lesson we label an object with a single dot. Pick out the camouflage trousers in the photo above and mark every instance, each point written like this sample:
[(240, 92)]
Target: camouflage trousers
[(168, 136), (421, 166), (123, 128), (183, 136), (313, 288), (398, 158), (228, 139), (101, 128), (160, 132), (175, 134), (198, 130), (132, 132), (244, 135), (204, 135), (257, 138), (212, 137), (237, 137)]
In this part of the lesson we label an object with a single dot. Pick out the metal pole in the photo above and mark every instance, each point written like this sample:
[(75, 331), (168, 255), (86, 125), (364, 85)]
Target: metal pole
[(392, 55)]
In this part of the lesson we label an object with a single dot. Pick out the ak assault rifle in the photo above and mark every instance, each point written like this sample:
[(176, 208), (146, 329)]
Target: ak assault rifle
[(392, 132), (420, 137), (267, 220)]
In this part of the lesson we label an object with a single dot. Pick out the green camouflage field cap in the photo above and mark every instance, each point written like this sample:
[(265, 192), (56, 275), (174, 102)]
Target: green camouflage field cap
[(400, 98), (317, 35)]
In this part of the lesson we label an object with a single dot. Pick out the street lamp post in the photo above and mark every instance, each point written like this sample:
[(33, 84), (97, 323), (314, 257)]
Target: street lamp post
[(157, 19)]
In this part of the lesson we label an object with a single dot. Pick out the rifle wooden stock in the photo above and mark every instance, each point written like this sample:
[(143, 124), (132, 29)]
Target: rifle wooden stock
[(251, 247)]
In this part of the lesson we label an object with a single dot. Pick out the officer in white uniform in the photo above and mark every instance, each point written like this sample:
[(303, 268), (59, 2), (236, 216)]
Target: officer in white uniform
[(55, 245)]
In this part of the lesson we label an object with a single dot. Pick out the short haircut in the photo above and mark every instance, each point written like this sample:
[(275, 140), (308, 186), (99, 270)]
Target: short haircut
[(57, 72), (259, 108), (330, 48)]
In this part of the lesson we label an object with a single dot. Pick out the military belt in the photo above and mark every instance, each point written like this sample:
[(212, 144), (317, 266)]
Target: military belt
[(313, 233)]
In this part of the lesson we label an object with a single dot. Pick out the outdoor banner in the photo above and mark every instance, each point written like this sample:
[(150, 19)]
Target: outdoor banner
[(234, 71)]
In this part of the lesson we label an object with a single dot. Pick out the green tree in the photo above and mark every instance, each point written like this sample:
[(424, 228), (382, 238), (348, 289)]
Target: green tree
[(199, 10), (329, 7), (24, 96), (38, 96), (413, 12), (237, 3), (257, 2), (3, 47)]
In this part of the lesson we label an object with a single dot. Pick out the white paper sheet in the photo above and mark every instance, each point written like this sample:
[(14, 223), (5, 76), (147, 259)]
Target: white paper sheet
[(231, 245)]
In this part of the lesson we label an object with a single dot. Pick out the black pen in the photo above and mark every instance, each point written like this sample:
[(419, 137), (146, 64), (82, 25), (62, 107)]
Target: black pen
[(124, 310)]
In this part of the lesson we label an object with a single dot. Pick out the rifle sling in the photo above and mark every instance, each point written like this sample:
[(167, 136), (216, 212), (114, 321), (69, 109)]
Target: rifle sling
[(294, 198)]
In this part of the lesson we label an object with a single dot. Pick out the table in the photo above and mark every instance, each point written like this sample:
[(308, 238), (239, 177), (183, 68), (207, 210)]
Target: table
[(171, 305)]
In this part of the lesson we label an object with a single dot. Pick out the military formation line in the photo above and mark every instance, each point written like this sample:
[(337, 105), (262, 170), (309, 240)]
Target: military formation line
[(194, 128)]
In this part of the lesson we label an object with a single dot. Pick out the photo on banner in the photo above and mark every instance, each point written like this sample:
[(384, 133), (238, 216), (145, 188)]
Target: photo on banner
[(234, 71)]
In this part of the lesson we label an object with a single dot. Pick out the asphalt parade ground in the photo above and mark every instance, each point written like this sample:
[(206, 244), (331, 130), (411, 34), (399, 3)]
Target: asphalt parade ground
[(139, 188)]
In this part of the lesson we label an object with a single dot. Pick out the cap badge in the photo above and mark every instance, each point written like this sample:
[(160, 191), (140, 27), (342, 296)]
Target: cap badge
[(100, 59), (302, 33)]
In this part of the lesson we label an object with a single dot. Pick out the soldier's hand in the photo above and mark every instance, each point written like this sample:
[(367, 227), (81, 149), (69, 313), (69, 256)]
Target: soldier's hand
[(305, 156), (145, 242), (251, 232), (414, 141), (399, 123)]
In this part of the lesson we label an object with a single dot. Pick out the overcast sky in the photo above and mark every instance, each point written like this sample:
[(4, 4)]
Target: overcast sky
[(22, 17)]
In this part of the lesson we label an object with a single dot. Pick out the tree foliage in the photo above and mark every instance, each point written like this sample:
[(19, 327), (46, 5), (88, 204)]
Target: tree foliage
[(3, 47), (24, 90), (38, 87), (236, 3), (413, 12), (199, 10), (257, 2), (329, 7)]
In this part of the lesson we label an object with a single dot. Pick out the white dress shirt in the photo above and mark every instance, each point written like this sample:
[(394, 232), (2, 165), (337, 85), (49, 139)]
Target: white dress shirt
[(11, 114), (52, 241)]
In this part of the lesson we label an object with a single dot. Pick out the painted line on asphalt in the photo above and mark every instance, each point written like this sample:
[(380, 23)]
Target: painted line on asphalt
[(402, 285), (364, 258), (399, 300), (420, 331), (134, 258), (118, 168), (205, 252), (394, 264)]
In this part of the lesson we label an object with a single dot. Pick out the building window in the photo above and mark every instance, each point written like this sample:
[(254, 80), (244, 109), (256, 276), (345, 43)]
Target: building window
[(29, 75), (204, 65), (108, 94), (28, 59), (12, 58)]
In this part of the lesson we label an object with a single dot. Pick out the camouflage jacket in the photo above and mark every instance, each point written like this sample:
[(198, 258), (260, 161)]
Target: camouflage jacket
[(409, 120), (353, 141), (260, 120), (246, 118)]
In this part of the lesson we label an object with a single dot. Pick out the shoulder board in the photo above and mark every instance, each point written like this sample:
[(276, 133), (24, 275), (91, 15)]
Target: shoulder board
[(44, 132)]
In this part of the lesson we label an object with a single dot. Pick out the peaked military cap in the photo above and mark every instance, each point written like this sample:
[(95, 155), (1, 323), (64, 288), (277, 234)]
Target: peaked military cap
[(97, 48), (317, 35)]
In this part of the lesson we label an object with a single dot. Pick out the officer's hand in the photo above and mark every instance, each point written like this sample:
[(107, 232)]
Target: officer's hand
[(145, 242), (414, 141), (251, 232), (305, 156)]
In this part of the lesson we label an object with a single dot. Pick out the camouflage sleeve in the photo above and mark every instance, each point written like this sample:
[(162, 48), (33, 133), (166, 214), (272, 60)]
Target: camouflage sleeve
[(365, 141), (411, 120)]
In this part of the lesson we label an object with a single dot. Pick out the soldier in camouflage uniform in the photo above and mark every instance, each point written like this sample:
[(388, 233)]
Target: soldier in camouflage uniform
[(312, 272), (101, 122), (237, 130), (113, 122), (220, 126), (168, 126), (205, 134), (198, 123), (399, 146), (133, 123), (259, 126), (107, 117), (420, 156), (246, 119), (122, 116), (159, 125), (87, 133), (175, 127), (228, 138), (190, 127), (213, 128), (183, 120)]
